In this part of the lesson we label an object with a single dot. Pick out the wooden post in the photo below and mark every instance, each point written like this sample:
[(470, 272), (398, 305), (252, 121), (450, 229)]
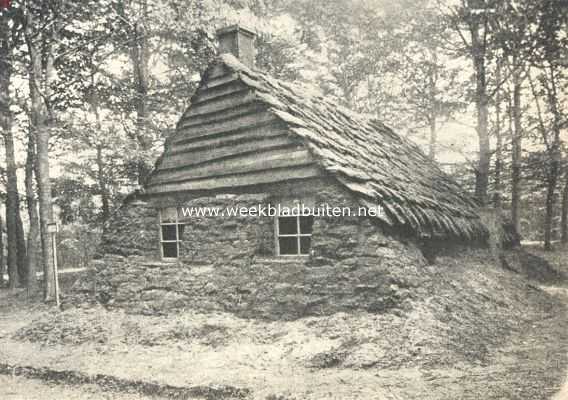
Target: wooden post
[(53, 228)]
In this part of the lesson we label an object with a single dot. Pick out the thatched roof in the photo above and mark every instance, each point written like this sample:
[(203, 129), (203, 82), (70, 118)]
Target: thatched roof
[(368, 158)]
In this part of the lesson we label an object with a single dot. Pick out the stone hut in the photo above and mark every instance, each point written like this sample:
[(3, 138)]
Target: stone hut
[(250, 141)]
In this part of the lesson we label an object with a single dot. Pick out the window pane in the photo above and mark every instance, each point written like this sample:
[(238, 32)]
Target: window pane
[(305, 243), (306, 223), (288, 245), (168, 214), (169, 232), (170, 250), (180, 229), (287, 225)]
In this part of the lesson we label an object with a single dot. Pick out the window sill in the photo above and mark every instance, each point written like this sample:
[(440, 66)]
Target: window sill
[(167, 260), (283, 259)]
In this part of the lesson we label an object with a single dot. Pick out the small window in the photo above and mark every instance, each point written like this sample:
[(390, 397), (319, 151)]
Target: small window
[(171, 232), (294, 235)]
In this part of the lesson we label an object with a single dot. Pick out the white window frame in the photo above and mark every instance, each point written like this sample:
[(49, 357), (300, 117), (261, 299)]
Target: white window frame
[(178, 234), (297, 235)]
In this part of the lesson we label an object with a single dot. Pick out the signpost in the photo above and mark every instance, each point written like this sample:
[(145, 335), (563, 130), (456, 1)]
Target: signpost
[(53, 228)]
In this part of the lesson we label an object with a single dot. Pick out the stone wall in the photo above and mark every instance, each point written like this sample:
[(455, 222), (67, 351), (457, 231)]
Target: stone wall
[(132, 231), (221, 240), (264, 287), (229, 264)]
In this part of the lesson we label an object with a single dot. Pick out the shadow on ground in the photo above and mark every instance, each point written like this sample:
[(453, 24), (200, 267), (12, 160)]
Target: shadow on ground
[(535, 267)]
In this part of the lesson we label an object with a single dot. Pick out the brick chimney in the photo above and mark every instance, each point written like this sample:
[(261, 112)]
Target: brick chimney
[(237, 41)]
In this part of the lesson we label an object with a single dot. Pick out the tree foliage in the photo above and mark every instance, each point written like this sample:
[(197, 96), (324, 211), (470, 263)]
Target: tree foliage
[(97, 86)]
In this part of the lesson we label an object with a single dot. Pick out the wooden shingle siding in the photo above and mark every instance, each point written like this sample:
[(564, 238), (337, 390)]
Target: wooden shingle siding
[(219, 91), (229, 139), (221, 103), (225, 151), (246, 162), (244, 109), (232, 137), (232, 181), (238, 123), (220, 80)]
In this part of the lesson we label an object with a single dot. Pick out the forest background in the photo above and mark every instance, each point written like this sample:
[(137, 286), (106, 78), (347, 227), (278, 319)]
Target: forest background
[(90, 90)]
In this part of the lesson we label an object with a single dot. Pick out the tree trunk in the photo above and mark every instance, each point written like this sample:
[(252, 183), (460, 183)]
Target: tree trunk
[(139, 55), (433, 139), (12, 206), (2, 271), (14, 228), (482, 107), (40, 126), (12, 198), (34, 256), (555, 155), (22, 249), (45, 210), (105, 209), (564, 217), (497, 198), (482, 176), (433, 80), (5, 125), (101, 180), (516, 141), (550, 197)]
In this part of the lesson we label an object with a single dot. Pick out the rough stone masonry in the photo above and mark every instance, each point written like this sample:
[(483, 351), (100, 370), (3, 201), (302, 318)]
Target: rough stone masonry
[(228, 264)]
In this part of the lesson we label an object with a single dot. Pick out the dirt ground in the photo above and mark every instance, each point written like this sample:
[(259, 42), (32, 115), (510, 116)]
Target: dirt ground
[(17, 388), (439, 350)]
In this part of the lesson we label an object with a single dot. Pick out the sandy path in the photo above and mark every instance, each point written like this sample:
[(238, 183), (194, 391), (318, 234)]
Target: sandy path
[(18, 388), (270, 359), (562, 292)]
